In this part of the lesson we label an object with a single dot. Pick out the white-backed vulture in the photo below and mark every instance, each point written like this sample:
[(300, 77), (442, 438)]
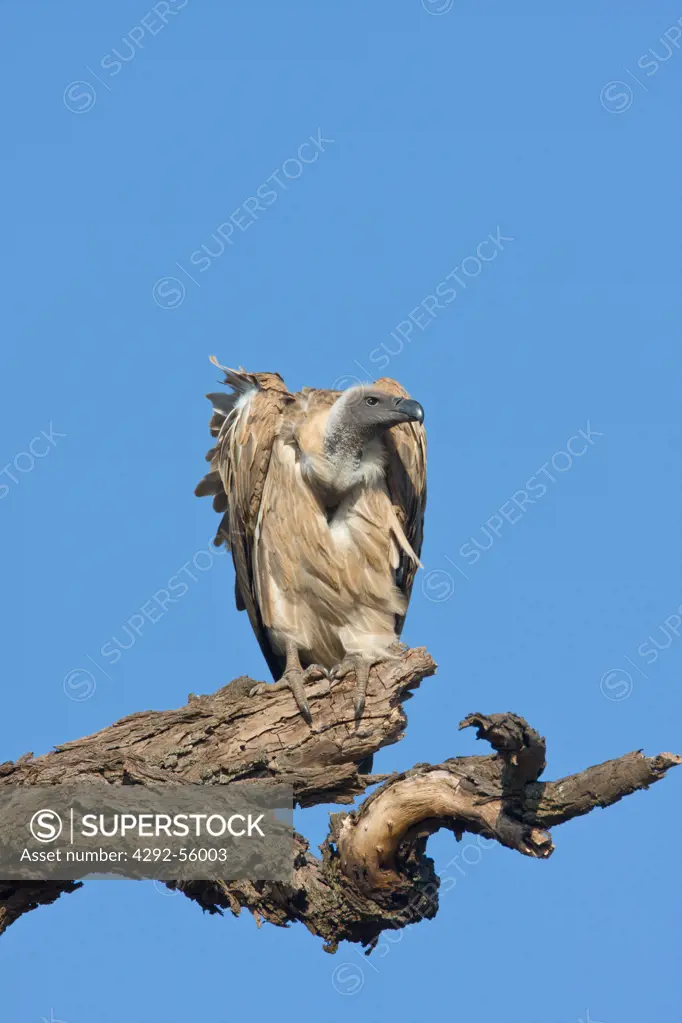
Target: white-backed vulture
[(322, 495)]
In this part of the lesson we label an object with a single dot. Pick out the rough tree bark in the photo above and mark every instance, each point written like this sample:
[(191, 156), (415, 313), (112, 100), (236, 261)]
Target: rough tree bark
[(373, 873)]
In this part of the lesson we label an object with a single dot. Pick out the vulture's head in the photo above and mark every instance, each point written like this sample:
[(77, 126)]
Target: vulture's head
[(370, 411)]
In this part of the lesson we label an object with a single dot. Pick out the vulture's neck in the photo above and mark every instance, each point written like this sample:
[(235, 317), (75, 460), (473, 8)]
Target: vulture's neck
[(353, 456), (343, 447)]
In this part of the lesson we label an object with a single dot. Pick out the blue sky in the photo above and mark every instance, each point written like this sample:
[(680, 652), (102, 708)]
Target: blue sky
[(445, 124)]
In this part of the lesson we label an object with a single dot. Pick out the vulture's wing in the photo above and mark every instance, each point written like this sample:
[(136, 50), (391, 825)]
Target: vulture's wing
[(245, 423), (406, 478)]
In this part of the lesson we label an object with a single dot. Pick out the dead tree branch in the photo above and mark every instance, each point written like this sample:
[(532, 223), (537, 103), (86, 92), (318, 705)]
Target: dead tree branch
[(373, 873), (230, 736)]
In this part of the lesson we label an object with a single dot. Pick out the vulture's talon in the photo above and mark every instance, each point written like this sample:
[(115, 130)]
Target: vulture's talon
[(314, 673), (360, 667), (293, 681), (345, 667), (301, 702)]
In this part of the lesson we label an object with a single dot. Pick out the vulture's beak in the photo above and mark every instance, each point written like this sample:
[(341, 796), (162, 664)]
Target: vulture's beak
[(412, 410)]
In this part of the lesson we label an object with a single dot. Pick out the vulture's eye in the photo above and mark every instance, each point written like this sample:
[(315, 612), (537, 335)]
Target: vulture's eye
[(371, 401)]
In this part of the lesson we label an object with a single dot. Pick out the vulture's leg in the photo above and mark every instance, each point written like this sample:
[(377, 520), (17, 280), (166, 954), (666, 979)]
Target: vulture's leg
[(294, 679), (362, 666)]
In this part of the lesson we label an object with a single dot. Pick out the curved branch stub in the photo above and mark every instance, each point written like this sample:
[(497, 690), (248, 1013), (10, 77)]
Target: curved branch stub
[(522, 748), (376, 844)]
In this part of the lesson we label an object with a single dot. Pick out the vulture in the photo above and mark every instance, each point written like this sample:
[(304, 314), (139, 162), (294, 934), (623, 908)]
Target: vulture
[(322, 496)]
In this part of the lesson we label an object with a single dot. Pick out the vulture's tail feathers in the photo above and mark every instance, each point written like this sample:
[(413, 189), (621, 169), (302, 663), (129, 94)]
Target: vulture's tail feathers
[(211, 483), (223, 405), (225, 409)]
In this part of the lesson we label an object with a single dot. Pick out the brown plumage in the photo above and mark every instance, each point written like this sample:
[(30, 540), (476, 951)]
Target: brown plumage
[(322, 494)]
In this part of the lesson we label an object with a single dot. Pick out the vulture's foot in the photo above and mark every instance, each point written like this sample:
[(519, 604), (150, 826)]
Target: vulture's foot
[(294, 679), (361, 667)]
